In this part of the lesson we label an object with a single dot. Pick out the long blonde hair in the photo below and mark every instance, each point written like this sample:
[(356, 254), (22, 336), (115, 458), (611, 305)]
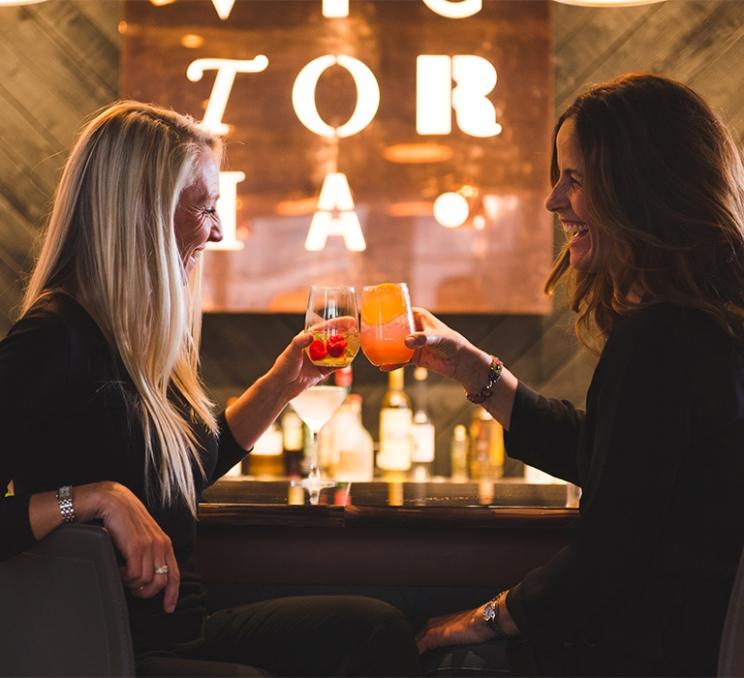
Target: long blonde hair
[(664, 189), (110, 242)]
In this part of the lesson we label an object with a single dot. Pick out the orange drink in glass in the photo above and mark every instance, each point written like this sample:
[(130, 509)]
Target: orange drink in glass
[(387, 320)]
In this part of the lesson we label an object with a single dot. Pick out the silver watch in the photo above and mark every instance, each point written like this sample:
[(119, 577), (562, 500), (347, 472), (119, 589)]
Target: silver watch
[(66, 508), (491, 614)]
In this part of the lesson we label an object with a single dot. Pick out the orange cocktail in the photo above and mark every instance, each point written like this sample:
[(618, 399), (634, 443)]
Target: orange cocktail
[(386, 321)]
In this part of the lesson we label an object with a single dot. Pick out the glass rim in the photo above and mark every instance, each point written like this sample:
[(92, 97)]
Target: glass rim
[(402, 285), (333, 287)]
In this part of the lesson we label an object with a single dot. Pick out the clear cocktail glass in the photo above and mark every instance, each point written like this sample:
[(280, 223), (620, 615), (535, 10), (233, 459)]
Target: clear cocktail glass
[(333, 320), (315, 406)]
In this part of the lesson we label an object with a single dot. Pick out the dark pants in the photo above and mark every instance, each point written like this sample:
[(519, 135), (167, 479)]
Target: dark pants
[(299, 636), (479, 660)]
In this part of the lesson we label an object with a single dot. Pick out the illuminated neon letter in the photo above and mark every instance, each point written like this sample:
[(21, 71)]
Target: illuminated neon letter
[(303, 96), (455, 10), (435, 97), (335, 216), (335, 9), (223, 7), (226, 70)]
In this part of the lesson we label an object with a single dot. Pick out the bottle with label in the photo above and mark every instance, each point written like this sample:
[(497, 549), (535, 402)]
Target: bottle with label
[(486, 452), (352, 445), (293, 442), (422, 452), (459, 454), (266, 460), (396, 418)]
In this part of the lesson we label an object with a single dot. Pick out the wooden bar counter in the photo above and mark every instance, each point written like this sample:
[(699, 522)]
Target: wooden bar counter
[(437, 534)]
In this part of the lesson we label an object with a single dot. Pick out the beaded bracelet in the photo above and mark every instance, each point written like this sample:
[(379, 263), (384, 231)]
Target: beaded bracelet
[(494, 375)]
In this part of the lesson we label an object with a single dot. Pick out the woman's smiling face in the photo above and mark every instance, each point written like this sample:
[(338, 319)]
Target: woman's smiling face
[(567, 197), (196, 221)]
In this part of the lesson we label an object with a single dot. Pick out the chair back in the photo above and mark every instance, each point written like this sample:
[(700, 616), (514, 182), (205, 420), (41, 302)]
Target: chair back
[(63, 608), (731, 655)]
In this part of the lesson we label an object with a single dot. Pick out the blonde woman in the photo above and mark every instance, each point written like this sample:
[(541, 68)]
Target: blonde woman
[(649, 189), (105, 416)]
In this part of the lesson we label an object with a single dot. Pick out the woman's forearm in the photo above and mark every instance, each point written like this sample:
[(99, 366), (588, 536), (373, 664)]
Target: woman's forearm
[(255, 410), (44, 514)]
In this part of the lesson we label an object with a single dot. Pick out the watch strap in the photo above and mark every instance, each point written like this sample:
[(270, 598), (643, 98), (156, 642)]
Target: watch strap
[(491, 613), (66, 507)]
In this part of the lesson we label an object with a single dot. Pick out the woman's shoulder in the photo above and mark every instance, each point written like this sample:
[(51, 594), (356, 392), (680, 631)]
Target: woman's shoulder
[(56, 331), (668, 336), (676, 324), (57, 315)]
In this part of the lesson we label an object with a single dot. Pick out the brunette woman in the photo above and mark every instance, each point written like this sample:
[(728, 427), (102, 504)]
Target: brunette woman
[(649, 189)]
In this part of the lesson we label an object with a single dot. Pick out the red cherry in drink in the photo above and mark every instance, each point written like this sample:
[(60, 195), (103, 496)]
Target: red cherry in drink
[(336, 345), (317, 350)]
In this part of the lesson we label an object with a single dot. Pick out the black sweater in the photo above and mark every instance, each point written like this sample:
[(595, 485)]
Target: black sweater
[(68, 416), (643, 586)]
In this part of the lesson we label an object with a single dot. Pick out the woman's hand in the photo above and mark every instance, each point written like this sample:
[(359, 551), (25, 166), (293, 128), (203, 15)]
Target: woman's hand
[(439, 348), (460, 628), (139, 539), (292, 369)]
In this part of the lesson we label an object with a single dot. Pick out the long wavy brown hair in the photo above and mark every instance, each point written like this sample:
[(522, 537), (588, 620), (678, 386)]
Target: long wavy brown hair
[(664, 192)]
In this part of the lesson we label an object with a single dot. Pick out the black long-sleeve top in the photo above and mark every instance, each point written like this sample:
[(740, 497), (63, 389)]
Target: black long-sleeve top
[(68, 416), (643, 586)]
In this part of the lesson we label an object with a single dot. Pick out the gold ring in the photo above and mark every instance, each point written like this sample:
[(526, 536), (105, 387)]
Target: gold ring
[(163, 569)]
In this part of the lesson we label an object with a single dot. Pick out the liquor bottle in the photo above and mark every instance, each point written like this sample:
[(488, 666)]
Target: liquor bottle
[(394, 457), (266, 459), (422, 452), (293, 442), (486, 452), (352, 446), (459, 454)]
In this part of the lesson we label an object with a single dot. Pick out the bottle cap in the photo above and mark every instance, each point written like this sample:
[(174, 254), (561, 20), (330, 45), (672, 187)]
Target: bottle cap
[(354, 401), (343, 376), (420, 373)]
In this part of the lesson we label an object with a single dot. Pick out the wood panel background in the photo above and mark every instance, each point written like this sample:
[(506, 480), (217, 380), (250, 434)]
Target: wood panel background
[(59, 62)]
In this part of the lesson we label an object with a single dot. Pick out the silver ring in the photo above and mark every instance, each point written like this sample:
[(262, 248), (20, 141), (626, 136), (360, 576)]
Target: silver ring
[(163, 569)]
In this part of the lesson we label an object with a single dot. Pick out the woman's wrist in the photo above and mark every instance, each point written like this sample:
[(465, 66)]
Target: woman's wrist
[(505, 619), (90, 500), (472, 369)]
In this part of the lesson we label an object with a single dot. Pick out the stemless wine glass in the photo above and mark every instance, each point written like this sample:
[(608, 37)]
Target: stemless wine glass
[(387, 320), (316, 406), (333, 320)]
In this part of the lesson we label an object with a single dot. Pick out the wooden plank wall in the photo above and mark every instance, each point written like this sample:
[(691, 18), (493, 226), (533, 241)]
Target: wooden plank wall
[(59, 62)]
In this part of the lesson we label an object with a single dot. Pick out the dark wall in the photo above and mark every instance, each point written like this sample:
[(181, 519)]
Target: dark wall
[(59, 62)]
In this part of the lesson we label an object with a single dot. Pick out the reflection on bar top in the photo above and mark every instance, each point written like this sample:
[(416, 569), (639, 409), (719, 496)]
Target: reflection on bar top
[(405, 494)]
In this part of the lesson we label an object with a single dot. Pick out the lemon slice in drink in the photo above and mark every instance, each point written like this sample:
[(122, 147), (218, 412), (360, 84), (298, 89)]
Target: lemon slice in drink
[(382, 303)]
